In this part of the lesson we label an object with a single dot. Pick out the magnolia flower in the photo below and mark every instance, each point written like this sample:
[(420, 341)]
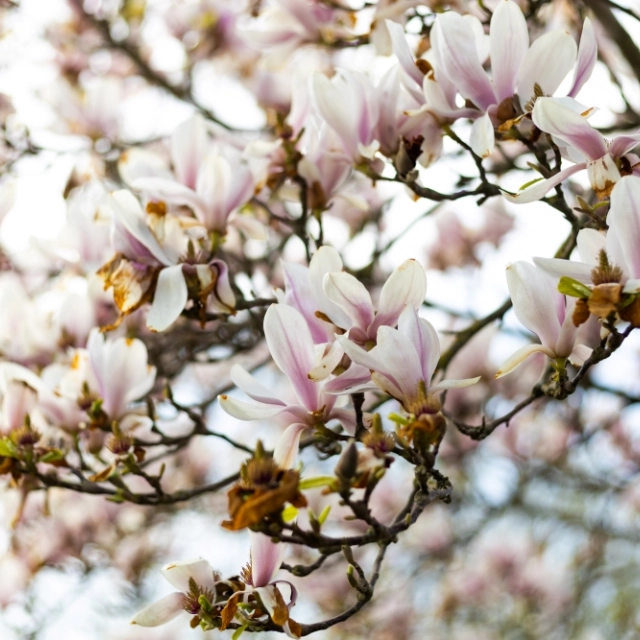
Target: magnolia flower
[(402, 363), (291, 346), (191, 579), (196, 579), (459, 48), (610, 263), (604, 161), (143, 268), (544, 311)]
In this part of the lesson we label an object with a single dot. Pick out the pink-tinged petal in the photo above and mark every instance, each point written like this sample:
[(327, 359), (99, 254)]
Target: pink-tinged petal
[(172, 192), (509, 38), (286, 450), (561, 122), (346, 417), (326, 260), (169, 299), (160, 612), (387, 384), (246, 411), (268, 598), (622, 145), (406, 286), (438, 103), (355, 378), (424, 338), (19, 400), (222, 299), (533, 293), (459, 58), (266, 558), (557, 268), (587, 57), (402, 52), (590, 243), (291, 346), (179, 573), (213, 186), (299, 294), (445, 385), (189, 143), (401, 361), (548, 61), (520, 356), (254, 389), (624, 226), (482, 138), (351, 296), (541, 188), (579, 354), (130, 215), (329, 100)]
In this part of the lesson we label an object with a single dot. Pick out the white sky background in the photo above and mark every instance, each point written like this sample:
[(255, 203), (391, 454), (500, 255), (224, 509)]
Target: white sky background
[(27, 68)]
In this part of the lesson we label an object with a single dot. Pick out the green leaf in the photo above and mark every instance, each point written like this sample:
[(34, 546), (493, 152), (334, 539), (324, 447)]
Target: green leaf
[(316, 482), (289, 513), (238, 632), (570, 287), (8, 449), (324, 514), (52, 456)]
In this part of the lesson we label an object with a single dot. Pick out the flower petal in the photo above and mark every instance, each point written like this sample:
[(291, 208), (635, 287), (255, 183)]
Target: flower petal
[(266, 558), (509, 38), (351, 296), (542, 187), (286, 449), (533, 294), (444, 385), (623, 238), (558, 268), (250, 385), (459, 57), (405, 287), (402, 52), (160, 612), (189, 143), (546, 64), (326, 260), (424, 338), (246, 411), (520, 356), (291, 346), (169, 299), (482, 138), (554, 118), (179, 574), (587, 57)]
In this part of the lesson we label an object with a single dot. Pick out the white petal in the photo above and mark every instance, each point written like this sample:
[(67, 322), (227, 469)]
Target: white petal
[(534, 297), (623, 238), (546, 64), (328, 363), (424, 338), (558, 268), (482, 136), (160, 612), (587, 57), (169, 299), (189, 143), (266, 558), (326, 260), (250, 385), (406, 286), (402, 52), (286, 450), (590, 244), (247, 411), (444, 385), (520, 356), (179, 574), (509, 39), (542, 187), (579, 354)]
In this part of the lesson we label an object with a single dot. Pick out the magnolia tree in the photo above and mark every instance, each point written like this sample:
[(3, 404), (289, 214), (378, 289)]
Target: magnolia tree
[(324, 311)]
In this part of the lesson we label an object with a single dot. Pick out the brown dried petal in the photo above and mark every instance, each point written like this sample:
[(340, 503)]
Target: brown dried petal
[(632, 313), (229, 612), (581, 313), (605, 299)]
